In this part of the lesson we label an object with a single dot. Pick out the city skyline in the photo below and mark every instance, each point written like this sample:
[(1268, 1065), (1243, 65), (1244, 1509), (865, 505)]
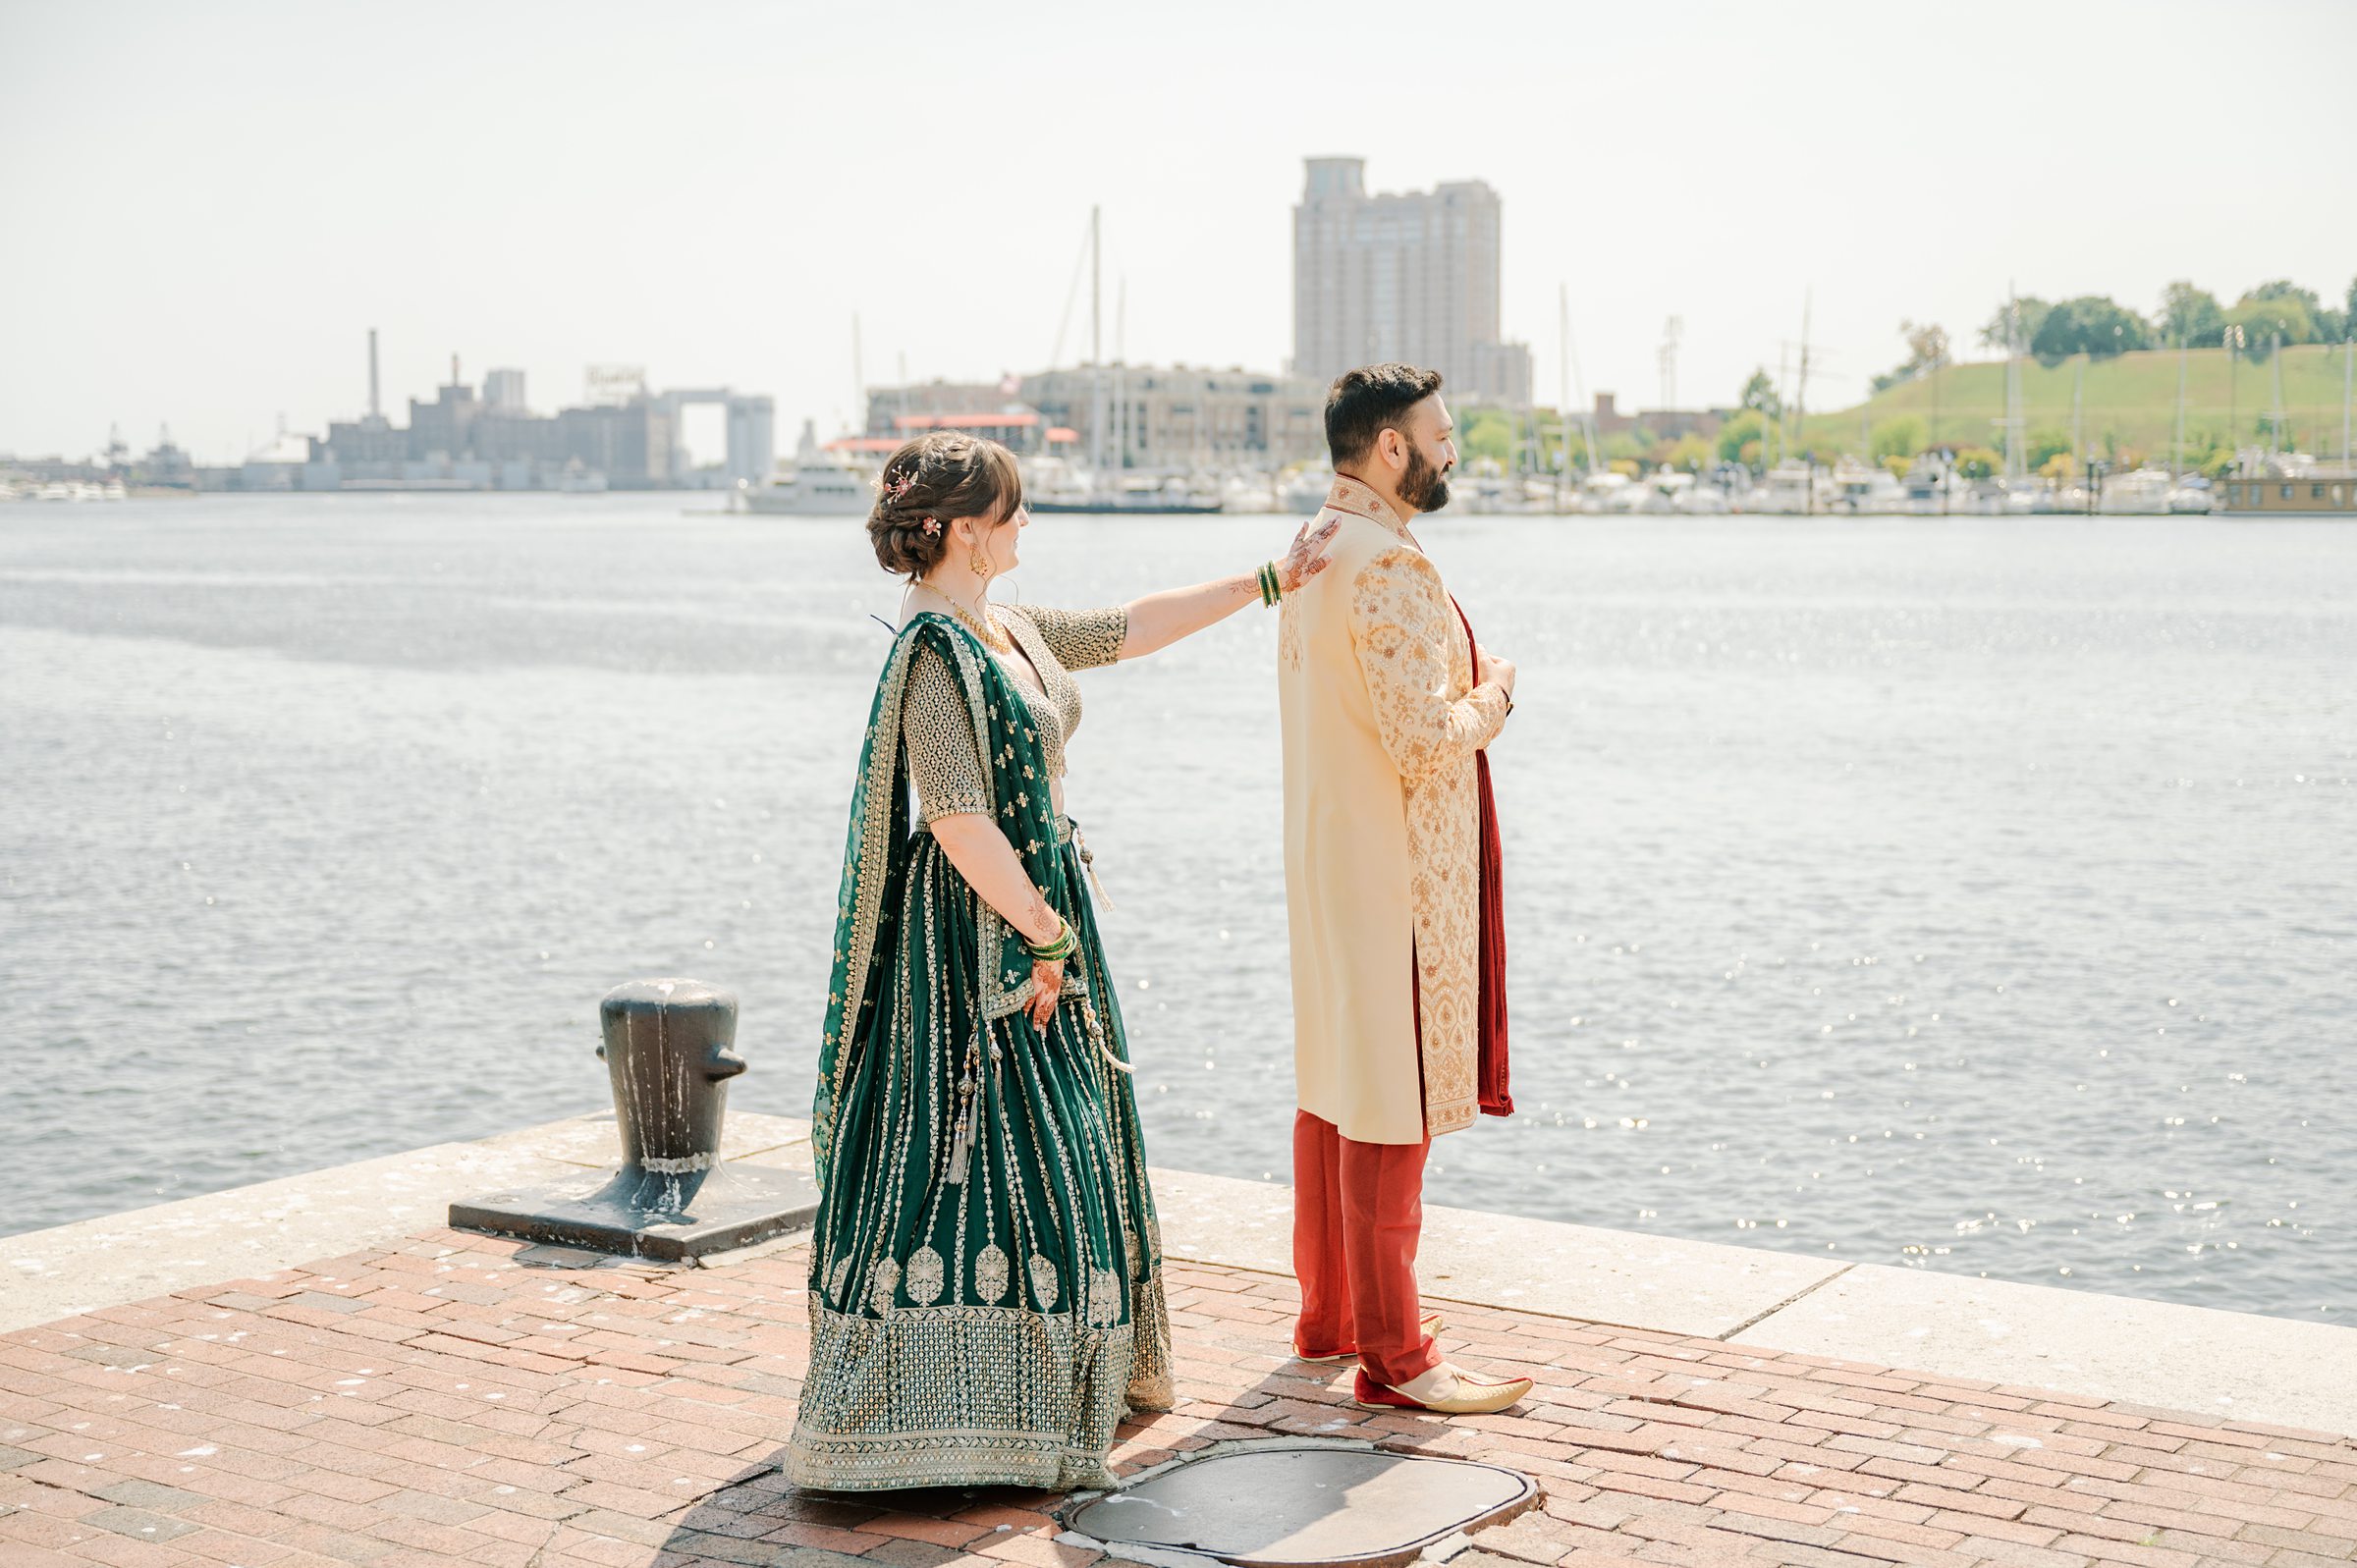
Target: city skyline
[(207, 221)]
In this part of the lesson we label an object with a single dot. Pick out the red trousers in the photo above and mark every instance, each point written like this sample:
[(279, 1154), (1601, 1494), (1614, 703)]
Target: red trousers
[(1358, 1210)]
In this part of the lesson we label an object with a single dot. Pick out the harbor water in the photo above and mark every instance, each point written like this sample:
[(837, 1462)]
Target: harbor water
[(1976, 895)]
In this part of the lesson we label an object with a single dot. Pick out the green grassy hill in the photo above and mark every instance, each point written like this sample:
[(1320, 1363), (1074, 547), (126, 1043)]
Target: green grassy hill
[(2132, 399)]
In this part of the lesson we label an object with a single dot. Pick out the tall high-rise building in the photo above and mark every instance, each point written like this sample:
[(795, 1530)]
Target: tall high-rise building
[(1410, 276), (504, 389)]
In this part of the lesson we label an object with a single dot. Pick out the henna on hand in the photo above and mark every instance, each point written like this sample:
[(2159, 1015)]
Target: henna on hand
[(1041, 915), (1048, 980), (1305, 560)]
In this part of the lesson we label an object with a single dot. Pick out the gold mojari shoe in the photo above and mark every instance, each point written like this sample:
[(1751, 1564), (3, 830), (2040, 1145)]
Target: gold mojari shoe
[(1445, 1391)]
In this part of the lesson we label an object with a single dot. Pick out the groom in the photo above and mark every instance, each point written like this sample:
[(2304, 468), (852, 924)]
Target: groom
[(1398, 1004)]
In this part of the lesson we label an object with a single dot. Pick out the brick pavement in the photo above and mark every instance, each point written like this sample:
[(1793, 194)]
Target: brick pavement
[(448, 1401)]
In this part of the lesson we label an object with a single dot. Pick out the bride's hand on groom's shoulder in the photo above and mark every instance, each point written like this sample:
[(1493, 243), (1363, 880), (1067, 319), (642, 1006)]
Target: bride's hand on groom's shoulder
[(1308, 558)]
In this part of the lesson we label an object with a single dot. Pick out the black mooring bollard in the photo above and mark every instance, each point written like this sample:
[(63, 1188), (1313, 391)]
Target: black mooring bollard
[(669, 1050)]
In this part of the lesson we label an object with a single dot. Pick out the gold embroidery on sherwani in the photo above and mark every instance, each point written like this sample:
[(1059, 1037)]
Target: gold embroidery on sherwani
[(1418, 666), (1382, 723)]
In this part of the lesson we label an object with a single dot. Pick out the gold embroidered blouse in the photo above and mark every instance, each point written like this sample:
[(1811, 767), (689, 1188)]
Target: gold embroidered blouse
[(938, 732)]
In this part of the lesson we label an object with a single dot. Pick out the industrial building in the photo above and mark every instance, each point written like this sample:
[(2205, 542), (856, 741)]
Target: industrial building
[(628, 439)]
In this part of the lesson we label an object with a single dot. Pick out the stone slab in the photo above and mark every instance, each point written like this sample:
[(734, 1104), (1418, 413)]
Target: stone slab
[(2227, 1365), (1278, 1507), (670, 1218), (1606, 1277), (250, 1230)]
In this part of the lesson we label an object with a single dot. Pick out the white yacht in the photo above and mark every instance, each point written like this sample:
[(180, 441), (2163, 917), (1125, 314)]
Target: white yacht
[(1250, 493), (1493, 492), (1702, 500), (2144, 493), (1861, 490), (822, 485), (2192, 495), (1600, 490), (1789, 489)]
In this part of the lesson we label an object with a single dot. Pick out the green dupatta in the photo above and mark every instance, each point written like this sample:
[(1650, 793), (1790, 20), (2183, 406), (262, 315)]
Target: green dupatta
[(877, 853)]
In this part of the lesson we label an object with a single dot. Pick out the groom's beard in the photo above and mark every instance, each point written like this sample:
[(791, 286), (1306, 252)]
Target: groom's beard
[(1423, 487)]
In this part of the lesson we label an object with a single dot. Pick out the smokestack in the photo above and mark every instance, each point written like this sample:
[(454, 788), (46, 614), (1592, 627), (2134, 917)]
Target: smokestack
[(375, 408), (454, 369)]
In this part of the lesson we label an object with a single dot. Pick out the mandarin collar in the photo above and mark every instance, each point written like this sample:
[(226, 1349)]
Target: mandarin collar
[(1358, 498)]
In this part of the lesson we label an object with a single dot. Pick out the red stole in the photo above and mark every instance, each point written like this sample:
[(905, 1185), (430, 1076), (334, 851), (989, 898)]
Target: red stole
[(1496, 1100)]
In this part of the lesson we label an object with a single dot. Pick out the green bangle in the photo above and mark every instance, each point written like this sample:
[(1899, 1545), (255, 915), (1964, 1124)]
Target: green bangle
[(1272, 587), (1056, 948)]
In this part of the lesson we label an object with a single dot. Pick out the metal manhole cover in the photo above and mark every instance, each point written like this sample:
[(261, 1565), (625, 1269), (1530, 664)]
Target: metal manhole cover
[(1274, 1507)]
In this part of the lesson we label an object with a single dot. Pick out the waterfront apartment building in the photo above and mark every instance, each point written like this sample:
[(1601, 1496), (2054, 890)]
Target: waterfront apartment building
[(1411, 276), (887, 407), (1171, 418), (1160, 417)]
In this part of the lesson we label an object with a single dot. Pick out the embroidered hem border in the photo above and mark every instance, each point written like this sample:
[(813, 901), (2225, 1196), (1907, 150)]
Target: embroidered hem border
[(859, 1375)]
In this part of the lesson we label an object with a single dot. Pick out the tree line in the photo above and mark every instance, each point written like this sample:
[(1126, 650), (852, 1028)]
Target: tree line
[(2099, 326)]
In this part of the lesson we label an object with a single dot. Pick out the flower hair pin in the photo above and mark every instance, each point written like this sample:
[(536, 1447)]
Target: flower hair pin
[(896, 489), (932, 527)]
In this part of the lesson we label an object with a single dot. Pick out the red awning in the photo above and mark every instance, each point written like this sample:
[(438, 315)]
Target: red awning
[(965, 421), (1058, 434)]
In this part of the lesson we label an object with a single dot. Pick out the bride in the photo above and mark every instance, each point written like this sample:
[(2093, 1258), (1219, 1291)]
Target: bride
[(986, 1298)]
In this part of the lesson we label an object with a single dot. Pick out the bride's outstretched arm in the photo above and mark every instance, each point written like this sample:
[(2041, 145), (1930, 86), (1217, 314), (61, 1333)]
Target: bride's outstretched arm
[(1161, 619)]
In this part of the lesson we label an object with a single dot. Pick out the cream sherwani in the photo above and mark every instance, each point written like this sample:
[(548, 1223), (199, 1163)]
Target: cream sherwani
[(1381, 832)]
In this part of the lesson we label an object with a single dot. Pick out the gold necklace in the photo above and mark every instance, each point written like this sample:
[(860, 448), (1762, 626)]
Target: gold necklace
[(993, 636)]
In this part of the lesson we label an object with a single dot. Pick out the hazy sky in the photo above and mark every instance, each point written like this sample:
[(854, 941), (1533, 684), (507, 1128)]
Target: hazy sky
[(206, 206)]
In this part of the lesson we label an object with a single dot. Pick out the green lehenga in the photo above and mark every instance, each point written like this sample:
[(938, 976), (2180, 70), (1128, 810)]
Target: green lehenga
[(986, 1296)]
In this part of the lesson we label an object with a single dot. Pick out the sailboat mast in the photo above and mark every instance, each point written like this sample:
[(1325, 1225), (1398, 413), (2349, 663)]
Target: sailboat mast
[(2078, 385), (1096, 340), (2276, 441), (2015, 467), (2348, 347), (1562, 345), (2176, 444), (1800, 405), (1125, 438)]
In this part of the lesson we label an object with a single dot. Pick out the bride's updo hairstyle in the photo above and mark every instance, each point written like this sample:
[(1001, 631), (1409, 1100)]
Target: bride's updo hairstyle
[(929, 483)]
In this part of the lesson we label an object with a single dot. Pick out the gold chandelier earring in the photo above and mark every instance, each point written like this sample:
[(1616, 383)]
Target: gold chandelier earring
[(979, 561)]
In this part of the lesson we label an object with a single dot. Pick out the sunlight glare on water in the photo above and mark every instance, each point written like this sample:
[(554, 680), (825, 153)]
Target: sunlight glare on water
[(1969, 895)]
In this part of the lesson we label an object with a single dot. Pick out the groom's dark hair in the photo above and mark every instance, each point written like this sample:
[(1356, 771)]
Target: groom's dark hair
[(1364, 402)]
